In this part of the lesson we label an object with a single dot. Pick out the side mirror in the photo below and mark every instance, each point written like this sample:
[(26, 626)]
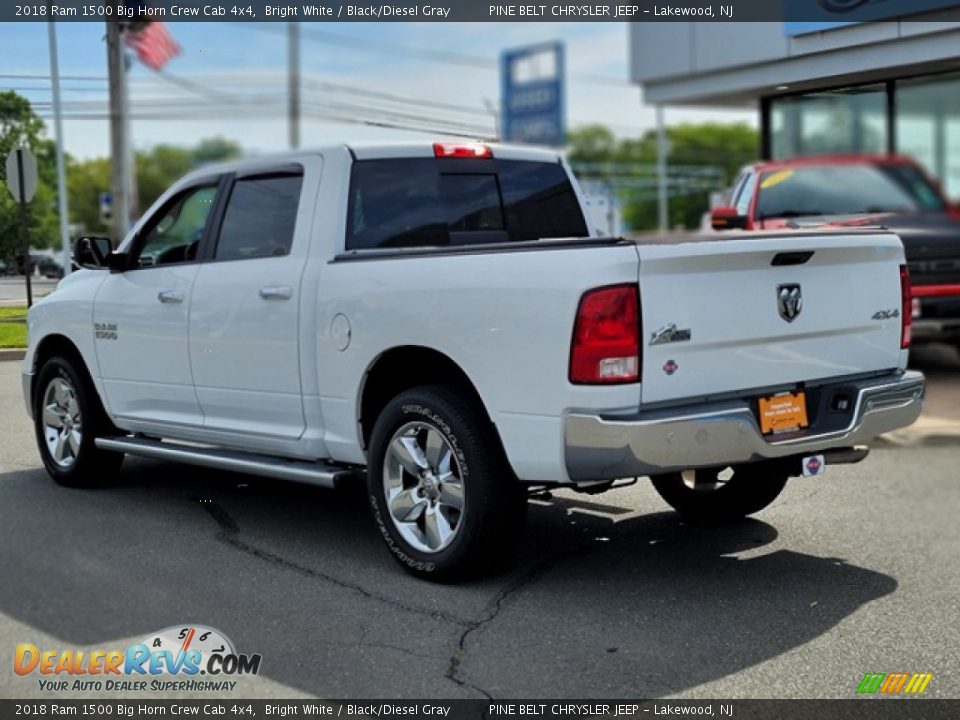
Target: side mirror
[(727, 218), (96, 253), (92, 252)]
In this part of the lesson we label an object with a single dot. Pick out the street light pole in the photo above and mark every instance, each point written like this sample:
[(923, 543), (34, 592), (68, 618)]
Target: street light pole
[(293, 83), (662, 191), (58, 132), (119, 141)]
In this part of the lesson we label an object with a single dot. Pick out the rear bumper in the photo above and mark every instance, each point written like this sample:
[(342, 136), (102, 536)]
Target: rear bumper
[(599, 447)]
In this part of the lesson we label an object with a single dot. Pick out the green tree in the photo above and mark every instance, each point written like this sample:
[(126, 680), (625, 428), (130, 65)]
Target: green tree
[(216, 149), (710, 155), (162, 165), (86, 180), (19, 126), (157, 169)]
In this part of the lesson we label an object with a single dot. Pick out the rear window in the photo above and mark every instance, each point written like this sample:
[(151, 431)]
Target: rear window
[(429, 202)]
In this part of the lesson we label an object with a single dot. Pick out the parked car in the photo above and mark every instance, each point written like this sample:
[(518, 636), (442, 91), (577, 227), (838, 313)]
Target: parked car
[(860, 190), (37, 263), (48, 267), (436, 321)]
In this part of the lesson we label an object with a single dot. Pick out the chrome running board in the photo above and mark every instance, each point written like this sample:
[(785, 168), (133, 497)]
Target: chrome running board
[(311, 473)]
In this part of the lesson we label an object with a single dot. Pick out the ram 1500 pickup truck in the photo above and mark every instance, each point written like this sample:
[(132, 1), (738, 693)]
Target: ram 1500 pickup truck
[(437, 321)]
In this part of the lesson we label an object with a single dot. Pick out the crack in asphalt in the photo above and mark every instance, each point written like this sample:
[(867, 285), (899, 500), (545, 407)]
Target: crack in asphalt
[(495, 607), (229, 534), (230, 530)]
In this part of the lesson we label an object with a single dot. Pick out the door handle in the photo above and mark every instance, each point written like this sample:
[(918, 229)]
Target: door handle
[(170, 296), (276, 292)]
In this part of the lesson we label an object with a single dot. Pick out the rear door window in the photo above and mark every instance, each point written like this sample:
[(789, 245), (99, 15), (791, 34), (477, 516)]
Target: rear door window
[(260, 217), (427, 202)]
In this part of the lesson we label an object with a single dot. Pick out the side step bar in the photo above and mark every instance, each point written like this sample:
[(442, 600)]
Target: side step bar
[(311, 473)]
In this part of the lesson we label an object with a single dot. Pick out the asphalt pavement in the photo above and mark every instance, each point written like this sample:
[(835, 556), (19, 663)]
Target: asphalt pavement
[(13, 289), (611, 596)]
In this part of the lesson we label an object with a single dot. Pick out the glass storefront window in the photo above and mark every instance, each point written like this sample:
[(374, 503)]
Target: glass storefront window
[(840, 121), (928, 126)]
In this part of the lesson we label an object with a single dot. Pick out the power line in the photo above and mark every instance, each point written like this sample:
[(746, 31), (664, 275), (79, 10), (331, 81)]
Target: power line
[(428, 54)]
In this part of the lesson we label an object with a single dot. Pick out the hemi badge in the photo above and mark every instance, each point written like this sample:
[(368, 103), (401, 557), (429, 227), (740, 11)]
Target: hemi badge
[(669, 334)]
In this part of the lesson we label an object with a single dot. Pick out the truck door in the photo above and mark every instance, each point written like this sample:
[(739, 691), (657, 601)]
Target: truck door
[(244, 319), (141, 315)]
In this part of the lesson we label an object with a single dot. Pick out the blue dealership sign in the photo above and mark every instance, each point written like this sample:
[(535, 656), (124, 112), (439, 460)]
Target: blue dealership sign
[(532, 95), (809, 16)]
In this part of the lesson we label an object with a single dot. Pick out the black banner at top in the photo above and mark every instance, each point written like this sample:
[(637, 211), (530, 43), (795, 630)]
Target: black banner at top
[(824, 13)]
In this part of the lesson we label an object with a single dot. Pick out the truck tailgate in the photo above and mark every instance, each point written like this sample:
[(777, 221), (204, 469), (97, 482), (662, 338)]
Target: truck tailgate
[(714, 322)]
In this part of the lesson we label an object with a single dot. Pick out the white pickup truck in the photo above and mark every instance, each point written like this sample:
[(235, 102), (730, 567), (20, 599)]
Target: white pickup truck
[(439, 319)]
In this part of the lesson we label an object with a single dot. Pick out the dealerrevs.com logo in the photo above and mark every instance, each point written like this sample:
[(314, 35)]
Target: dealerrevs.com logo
[(182, 658)]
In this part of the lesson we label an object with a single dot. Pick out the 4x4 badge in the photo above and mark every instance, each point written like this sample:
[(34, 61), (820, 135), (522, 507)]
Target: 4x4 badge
[(789, 301)]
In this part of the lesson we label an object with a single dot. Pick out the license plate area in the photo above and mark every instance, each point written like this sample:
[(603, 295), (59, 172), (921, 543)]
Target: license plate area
[(783, 413)]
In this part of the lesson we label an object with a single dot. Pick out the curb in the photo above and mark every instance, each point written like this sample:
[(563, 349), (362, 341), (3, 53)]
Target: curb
[(12, 354)]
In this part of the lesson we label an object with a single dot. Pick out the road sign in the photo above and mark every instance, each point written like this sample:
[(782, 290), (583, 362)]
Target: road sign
[(22, 181), (22, 168), (106, 208), (532, 94)]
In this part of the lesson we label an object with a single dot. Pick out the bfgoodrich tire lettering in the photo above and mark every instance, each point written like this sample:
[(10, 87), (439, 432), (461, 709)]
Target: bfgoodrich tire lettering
[(441, 493), (68, 417)]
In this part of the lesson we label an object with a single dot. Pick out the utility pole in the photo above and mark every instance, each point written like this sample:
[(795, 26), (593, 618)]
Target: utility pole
[(663, 149), (119, 139), (58, 132), (293, 87)]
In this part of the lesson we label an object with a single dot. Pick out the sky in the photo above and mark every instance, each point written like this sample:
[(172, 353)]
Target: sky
[(230, 81)]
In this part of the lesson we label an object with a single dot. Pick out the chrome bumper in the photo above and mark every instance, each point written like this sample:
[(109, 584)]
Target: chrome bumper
[(725, 433), (27, 380)]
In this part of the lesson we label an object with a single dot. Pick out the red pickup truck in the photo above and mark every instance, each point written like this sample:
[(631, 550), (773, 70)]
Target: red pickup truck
[(856, 190)]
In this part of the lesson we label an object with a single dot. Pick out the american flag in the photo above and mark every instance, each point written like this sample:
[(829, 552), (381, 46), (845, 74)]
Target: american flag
[(154, 45)]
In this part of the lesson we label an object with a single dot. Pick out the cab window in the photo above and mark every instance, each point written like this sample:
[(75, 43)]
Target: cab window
[(174, 233)]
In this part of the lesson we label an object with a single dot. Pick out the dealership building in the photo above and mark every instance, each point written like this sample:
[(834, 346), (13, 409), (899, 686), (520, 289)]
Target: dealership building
[(892, 85)]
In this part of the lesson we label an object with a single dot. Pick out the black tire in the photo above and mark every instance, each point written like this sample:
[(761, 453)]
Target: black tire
[(89, 466), (713, 500), (487, 529)]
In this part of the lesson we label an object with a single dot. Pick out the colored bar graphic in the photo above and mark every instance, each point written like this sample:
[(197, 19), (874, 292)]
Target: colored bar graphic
[(871, 682), (894, 683)]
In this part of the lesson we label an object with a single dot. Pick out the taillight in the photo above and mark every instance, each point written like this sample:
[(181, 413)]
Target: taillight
[(606, 337), (462, 150), (906, 311)]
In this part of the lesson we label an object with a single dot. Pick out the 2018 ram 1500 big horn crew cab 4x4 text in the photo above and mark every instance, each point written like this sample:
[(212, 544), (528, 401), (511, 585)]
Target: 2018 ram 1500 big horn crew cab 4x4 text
[(440, 315)]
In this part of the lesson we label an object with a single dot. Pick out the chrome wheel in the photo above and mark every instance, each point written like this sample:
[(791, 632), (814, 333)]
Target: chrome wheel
[(62, 423), (423, 485)]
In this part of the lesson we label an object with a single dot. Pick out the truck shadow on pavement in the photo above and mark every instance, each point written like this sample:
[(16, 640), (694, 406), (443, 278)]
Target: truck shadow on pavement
[(602, 601)]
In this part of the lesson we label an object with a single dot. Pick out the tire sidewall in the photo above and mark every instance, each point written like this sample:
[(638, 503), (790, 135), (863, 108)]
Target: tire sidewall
[(425, 407), (63, 368)]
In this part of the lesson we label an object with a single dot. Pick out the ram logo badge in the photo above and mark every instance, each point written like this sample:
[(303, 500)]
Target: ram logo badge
[(789, 301), (669, 334)]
